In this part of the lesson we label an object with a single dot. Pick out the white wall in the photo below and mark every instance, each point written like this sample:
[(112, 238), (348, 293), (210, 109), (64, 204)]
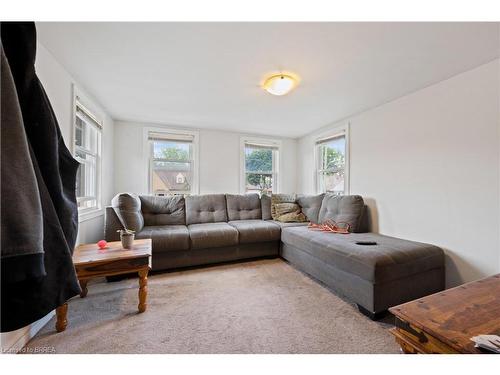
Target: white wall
[(58, 84), (59, 87), (219, 160), (428, 165)]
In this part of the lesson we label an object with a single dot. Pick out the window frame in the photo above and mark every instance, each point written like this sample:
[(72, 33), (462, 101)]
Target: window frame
[(148, 153), (267, 142), (90, 109), (342, 130)]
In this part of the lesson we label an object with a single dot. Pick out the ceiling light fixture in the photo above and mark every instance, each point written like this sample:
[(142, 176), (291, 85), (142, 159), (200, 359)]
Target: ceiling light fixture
[(279, 84)]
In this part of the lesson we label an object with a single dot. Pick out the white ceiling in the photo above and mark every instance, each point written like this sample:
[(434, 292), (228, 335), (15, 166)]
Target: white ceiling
[(207, 75)]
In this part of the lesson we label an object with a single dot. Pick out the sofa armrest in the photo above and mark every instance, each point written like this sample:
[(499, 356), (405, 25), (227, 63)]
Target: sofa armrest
[(111, 225)]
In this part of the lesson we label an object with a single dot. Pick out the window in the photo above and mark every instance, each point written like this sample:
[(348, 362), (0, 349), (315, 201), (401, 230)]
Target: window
[(260, 167), (171, 163), (87, 150), (332, 164)]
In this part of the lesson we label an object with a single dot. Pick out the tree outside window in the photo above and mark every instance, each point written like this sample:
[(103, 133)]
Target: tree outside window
[(260, 169), (331, 165)]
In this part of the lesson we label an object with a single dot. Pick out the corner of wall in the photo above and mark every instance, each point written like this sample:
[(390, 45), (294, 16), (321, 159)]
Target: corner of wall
[(13, 342)]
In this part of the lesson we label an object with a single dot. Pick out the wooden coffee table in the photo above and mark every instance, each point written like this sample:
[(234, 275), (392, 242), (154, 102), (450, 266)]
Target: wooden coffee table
[(91, 262), (445, 322)]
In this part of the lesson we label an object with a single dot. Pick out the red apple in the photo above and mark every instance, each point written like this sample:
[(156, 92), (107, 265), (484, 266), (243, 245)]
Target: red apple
[(102, 244)]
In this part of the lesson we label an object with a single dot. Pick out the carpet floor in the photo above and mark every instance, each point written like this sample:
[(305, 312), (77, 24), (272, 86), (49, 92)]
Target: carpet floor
[(263, 306)]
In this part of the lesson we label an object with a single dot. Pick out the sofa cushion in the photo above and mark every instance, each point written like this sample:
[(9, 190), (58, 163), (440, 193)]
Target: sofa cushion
[(166, 237), (243, 207), (166, 210), (342, 209), (209, 208), (390, 259), (128, 210), (251, 231), (208, 235), (286, 225), (265, 204), (310, 206)]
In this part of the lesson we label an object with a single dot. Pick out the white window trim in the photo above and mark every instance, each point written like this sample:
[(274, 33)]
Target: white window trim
[(146, 152), (339, 130), (277, 164), (89, 213)]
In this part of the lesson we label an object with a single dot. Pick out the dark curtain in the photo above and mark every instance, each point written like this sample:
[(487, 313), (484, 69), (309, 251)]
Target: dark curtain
[(38, 236)]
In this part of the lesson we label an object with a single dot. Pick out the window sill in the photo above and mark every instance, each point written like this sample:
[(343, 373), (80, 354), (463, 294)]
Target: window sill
[(88, 215)]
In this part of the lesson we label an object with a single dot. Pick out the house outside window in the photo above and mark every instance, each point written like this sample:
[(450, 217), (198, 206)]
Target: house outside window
[(180, 179), (87, 151), (332, 163), (171, 163), (260, 161)]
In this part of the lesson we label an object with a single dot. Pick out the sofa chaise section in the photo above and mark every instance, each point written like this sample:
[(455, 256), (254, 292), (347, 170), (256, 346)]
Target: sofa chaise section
[(390, 259), (375, 277)]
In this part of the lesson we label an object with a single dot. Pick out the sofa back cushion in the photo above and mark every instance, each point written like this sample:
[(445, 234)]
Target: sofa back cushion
[(209, 208), (365, 224), (310, 205), (167, 210), (128, 210), (342, 208), (265, 204), (243, 207)]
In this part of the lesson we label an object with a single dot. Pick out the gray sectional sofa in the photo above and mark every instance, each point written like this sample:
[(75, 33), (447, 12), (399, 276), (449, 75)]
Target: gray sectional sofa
[(207, 229)]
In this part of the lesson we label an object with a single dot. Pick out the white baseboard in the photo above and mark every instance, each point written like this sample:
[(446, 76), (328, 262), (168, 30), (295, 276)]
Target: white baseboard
[(13, 342)]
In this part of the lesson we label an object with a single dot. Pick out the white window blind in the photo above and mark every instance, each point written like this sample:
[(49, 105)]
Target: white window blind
[(158, 136)]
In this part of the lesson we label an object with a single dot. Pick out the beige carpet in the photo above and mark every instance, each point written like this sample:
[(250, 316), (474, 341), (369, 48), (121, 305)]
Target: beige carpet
[(263, 306)]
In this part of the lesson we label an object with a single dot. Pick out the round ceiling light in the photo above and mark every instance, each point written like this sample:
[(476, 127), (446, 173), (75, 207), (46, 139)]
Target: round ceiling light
[(279, 84)]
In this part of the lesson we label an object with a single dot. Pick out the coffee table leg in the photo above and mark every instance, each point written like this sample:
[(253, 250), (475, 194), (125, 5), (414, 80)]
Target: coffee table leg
[(61, 317), (143, 290), (83, 285)]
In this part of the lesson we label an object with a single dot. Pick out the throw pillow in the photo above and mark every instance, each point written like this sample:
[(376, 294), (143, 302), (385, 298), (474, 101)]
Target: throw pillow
[(280, 198), (285, 209), (292, 217)]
